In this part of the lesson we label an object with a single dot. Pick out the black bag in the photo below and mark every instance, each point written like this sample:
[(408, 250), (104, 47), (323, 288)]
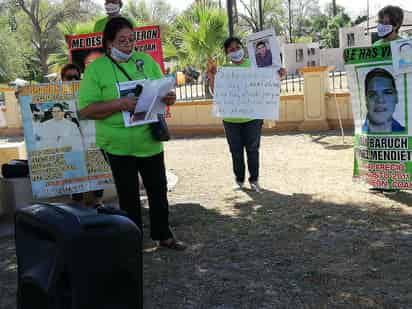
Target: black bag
[(159, 129), (15, 169)]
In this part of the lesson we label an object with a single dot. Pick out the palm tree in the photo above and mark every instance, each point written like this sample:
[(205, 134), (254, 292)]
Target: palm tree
[(197, 36)]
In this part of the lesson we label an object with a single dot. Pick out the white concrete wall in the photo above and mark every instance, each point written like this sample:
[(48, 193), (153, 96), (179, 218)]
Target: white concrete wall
[(360, 38), (332, 57), (289, 56)]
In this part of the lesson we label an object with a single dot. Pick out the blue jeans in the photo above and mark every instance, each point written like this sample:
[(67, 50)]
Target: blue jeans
[(240, 137)]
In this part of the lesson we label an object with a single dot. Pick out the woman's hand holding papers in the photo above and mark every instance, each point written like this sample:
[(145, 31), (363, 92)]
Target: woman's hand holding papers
[(169, 98)]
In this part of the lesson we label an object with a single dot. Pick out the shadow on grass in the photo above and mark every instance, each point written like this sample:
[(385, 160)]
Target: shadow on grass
[(272, 250), (283, 251), (8, 273), (403, 197)]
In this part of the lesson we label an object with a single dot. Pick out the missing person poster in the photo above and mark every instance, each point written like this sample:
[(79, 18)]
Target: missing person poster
[(84, 48), (63, 157), (380, 99), (263, 49)]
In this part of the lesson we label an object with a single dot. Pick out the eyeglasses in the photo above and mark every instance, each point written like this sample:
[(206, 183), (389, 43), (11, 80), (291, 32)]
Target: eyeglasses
[(126, 41)]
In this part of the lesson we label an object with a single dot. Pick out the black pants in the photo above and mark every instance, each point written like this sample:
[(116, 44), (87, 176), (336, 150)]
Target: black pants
[(241, 137), (125, 171)]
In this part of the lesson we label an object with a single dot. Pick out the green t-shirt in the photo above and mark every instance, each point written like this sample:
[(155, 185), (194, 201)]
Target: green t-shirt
[(99, 84), (244, 64), (101, 23), (382, 41)]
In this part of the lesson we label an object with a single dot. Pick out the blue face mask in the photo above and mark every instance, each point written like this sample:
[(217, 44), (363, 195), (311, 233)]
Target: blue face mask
[(119, 55), (384, 30)]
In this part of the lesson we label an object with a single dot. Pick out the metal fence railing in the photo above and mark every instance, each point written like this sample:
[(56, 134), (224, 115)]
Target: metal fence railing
[(291, 84), (338, 81), (193, 91)]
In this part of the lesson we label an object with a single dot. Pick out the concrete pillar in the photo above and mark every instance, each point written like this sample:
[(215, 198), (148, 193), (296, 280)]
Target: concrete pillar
[(12, 112), (316, 85)]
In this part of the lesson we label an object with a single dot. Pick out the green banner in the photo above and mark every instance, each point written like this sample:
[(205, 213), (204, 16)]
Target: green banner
[(363, 55)]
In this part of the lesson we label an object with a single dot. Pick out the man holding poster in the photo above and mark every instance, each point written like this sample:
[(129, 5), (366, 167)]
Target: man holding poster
[(241, 133)]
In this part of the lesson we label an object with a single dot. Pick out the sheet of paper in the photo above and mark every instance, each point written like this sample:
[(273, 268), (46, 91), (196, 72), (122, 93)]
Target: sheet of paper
[(247, 93), (149, 104)]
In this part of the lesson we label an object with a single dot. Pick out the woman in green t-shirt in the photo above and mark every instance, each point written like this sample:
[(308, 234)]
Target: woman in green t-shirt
[(242, 134), (132, 150)]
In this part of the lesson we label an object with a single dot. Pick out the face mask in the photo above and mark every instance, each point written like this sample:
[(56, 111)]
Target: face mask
[(237, 56), (112, 9), (384, 30), (119, 55)]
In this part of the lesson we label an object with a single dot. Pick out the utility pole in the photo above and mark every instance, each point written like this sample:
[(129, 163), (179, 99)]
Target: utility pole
[(334, 8), (290, 21), (230, 15), (367, 16), (260, 15)]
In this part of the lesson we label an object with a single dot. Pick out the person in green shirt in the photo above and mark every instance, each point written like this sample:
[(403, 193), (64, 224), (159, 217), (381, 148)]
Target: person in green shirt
[(390, 19), (129, 150), (112, 8), (241, 133)]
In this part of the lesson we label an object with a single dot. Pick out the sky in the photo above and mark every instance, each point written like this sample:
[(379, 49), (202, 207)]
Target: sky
[(353, 7)]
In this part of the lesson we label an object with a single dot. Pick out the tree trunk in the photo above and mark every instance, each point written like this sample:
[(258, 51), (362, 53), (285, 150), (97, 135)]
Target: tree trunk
[(43, 55)]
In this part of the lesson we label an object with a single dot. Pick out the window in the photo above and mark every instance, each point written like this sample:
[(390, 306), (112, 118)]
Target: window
[(313, 63), (350, 37), (299, 55)]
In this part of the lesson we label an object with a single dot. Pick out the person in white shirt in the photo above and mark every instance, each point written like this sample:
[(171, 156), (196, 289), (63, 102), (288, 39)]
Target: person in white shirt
[(59, 132)]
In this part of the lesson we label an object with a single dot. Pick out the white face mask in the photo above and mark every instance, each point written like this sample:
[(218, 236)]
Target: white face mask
[(237, 56), (384, 30), (112, 9), (119, 55)]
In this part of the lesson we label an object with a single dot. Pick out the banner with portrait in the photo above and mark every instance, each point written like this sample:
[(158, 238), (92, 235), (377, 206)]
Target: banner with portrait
[(63, 157), (383, 119), (84, 48)]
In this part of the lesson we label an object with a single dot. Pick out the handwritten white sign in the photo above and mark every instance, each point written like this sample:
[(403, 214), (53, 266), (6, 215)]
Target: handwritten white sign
[(247, 93)]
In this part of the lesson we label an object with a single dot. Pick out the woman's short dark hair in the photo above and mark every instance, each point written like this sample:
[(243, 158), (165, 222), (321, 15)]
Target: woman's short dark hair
[(395, 14), (113, 26), (229, 41), (68, 67)]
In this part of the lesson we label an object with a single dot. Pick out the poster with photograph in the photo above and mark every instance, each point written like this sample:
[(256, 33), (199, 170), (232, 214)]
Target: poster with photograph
[(263, 49), (383, 153), (63, 157), (402, 56), (85, 48), (149, 104)]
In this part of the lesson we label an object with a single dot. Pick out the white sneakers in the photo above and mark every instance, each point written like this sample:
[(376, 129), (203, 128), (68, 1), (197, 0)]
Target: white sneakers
[(238, 186), (254, 186)]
